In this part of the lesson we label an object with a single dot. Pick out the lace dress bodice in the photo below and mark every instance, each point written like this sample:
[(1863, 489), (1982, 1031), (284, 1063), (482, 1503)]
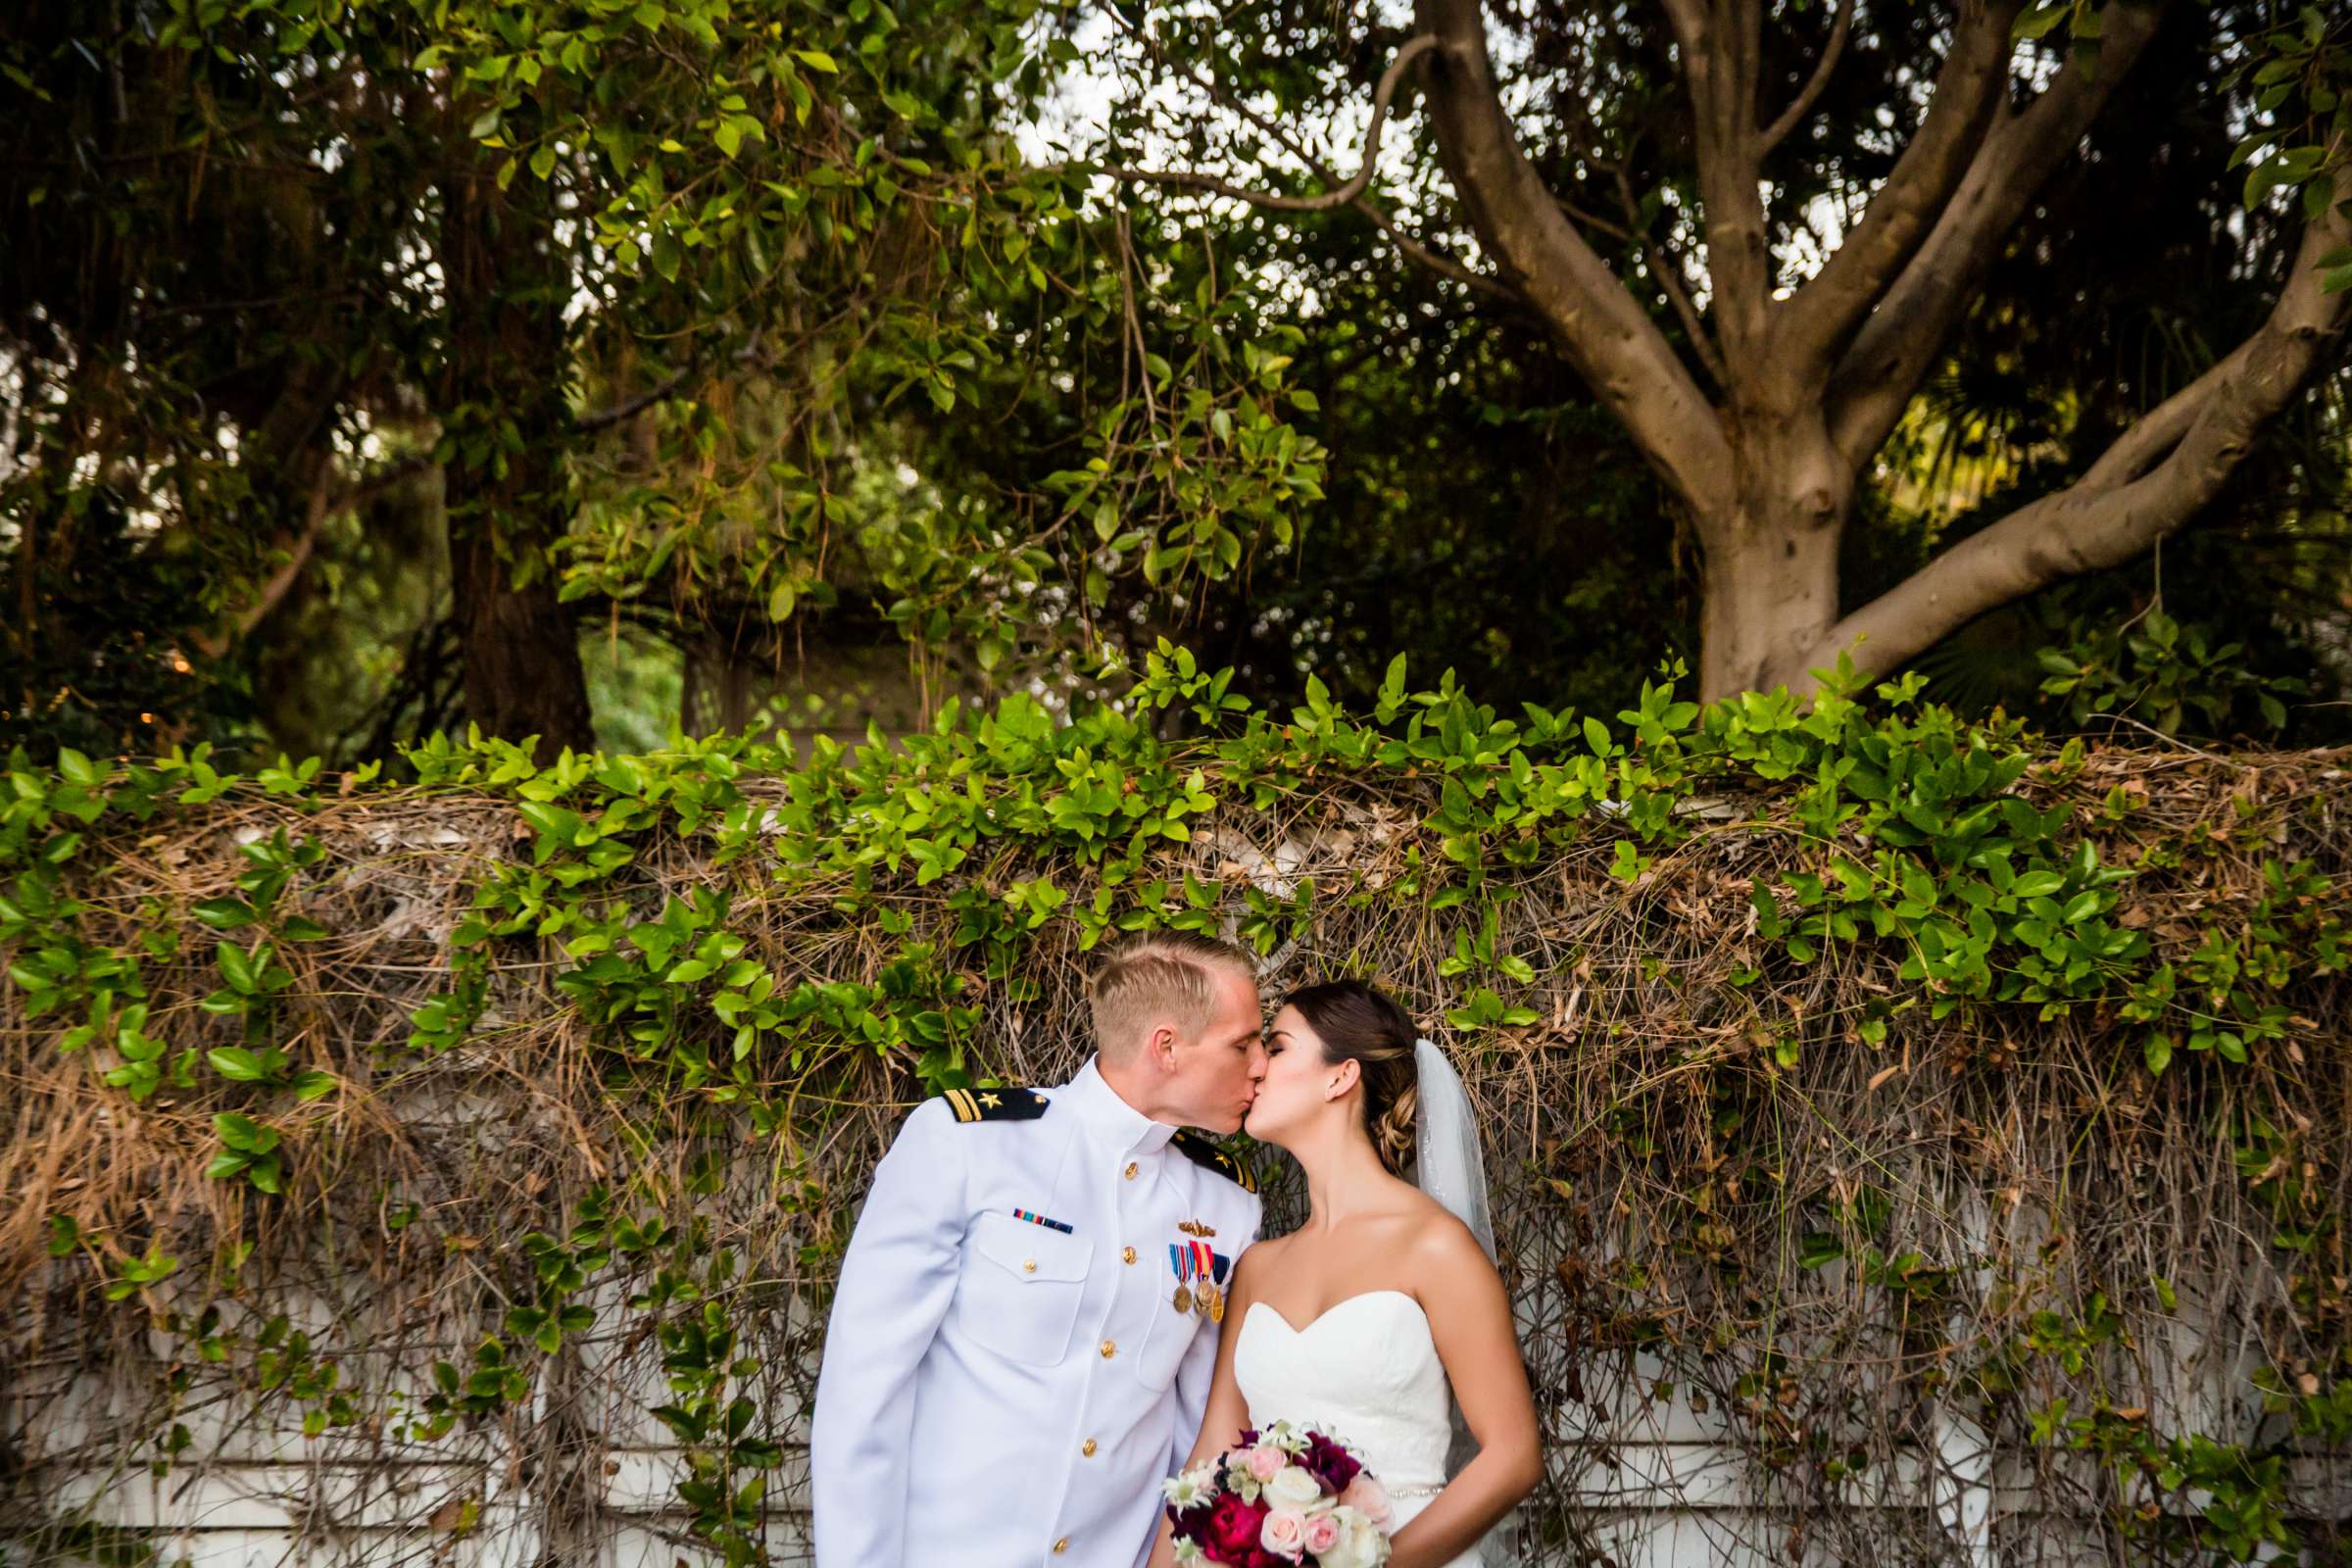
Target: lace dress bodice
[(1367, 1373)]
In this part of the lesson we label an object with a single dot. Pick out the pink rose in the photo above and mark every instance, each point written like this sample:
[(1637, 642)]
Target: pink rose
[(1322, 1534), (1368, 1497), (1265, 1462), (1283, 1533)]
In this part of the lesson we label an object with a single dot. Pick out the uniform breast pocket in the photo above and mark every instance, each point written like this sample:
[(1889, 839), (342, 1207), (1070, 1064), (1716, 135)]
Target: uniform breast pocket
[(1171, 1335), (1020, 1287)]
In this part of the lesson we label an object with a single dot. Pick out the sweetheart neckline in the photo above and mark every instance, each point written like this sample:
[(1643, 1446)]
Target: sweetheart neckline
[(1344, 1300)]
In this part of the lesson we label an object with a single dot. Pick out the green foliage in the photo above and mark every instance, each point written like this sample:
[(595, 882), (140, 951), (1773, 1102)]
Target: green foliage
[(2167, 675), (1901, 831), (845, 356)]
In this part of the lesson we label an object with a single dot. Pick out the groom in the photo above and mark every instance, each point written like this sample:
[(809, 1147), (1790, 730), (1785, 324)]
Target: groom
[(1022, 1340)]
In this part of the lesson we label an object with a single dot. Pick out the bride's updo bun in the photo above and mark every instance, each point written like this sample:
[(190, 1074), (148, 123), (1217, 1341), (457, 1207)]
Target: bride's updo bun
[(1360, 1024)]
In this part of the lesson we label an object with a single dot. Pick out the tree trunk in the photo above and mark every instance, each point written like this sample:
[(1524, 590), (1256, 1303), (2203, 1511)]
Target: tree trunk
[(503, 397), (1769, 578), (1816, 378)]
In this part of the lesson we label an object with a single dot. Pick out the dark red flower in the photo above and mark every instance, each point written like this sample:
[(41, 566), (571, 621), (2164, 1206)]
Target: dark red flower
[(1190, 1524), (1231, 1534), (1329, 1462)]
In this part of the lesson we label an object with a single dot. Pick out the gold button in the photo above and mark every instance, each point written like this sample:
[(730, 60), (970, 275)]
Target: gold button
[(1063, 1544), (1086, 1448), (1132, 1169), (1111, 1348), (1128, 1255), (1028, 1265)]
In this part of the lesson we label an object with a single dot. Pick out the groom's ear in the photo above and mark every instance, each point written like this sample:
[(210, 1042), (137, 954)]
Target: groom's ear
[(1160, 1047)]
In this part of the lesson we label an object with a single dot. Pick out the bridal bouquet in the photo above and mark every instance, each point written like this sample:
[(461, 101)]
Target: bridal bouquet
[(1283, 1496)]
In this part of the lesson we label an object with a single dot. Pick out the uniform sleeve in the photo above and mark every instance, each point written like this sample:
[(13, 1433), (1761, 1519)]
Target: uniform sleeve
[(897, 1281), (1199, 1368)]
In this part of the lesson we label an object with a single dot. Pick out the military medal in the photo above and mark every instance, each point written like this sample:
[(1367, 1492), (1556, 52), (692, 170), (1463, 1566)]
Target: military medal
[(1180, 1262), (1213, 1285), (1183, 1299), (1212, 1301)]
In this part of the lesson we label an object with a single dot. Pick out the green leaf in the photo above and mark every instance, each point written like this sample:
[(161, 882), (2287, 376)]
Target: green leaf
[(244, 1134), (237, 966), (236, 1063)]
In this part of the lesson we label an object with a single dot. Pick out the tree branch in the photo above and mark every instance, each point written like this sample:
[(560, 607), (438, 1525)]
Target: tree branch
[(1875, 378), (1820, 321), (1669, 271), (1348, 190), (2155, 477), (1442, 266), (601, 419), (1601, 327), (1794, 115)]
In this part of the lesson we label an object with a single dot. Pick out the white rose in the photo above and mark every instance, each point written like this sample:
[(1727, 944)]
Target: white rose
[(1292, 1488), (1361, 1545)]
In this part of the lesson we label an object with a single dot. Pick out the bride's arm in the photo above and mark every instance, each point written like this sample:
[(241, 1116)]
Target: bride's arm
[(1470, 1317), (1226, 1412)]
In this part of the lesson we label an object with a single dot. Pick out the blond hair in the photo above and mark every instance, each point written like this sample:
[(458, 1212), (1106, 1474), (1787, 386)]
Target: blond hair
[(1166, 977)]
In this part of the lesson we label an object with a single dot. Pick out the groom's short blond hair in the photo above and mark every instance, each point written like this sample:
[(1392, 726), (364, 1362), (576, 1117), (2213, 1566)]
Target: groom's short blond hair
[(1167, 977)]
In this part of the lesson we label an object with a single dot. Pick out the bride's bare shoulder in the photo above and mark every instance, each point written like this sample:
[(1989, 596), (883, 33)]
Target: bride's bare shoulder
[(1439, 1239), (1258, 1256)]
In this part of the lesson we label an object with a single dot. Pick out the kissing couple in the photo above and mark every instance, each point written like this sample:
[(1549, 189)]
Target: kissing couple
[(1056, 1298)]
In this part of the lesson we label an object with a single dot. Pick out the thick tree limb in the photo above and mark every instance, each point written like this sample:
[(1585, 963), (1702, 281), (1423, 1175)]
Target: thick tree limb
[(1600, 325), (1895, 348), (1820, 321), (1721, 59), (1794, 115), (2151, 482)]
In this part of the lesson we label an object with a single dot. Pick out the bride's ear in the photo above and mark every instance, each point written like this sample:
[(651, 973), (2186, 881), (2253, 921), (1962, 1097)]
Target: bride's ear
[(1344, 1077)]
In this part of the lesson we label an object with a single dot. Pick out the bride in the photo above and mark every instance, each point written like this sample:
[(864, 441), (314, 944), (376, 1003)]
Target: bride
[(1356, 1323)]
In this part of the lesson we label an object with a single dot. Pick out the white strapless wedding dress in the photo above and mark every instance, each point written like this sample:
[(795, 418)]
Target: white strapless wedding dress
[(1367, 1373)]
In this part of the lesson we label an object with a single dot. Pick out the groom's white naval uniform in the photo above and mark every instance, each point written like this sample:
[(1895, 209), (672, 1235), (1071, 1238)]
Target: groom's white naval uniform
[(999, 1390)]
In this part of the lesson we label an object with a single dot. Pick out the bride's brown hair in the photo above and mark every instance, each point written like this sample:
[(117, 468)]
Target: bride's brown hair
[(1361, 1024)]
